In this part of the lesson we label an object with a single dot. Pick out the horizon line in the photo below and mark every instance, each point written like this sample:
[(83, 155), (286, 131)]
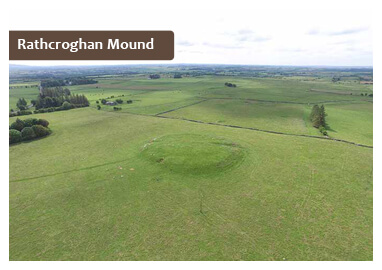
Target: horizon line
[(200, 64)]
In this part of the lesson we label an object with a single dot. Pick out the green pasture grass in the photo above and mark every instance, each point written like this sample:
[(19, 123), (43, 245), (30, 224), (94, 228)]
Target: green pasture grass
[(352, 122), (150, 106), (280, 117), (277, 90), (89, 191), (24, 83), (16, 93)]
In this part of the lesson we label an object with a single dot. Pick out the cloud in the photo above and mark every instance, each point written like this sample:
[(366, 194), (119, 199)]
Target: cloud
[(313, 31), (184, 51), (247, 35), (222, 46), (185, 43), (348, 31), (251, 38), (343, 42), (292, 50), (245, 32)]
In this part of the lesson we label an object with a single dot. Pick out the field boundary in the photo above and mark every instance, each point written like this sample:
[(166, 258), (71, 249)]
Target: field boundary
[(286, 102), (251, 128), (268, 131), (181, 107)]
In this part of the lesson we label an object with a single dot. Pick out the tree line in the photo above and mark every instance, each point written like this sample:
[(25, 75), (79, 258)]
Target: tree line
[(50, 100), (58, 97), (72, 81)]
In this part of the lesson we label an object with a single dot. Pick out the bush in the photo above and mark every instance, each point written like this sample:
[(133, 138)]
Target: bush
[(66, 105), (117, 108), (28, 134), (129, 101), (30, 122), (41, 131), (14, 136), (230, 84), (46, 110), (98, 107), (18, 125), (97, 102), (19, 113), (42, 122), (119, 101), (24, 112), (103, 101)]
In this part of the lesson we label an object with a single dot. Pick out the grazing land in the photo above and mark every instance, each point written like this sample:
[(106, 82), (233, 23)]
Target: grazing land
[(191, 169)]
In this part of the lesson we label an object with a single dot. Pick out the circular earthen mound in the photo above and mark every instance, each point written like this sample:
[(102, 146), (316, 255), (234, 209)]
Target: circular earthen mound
[(191, 153)]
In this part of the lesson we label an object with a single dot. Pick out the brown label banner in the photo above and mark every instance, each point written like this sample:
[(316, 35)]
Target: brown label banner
[(91, 45)]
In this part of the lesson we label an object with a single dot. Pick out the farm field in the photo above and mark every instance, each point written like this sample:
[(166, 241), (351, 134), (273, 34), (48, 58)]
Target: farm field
[(195, 170), (16, 93)]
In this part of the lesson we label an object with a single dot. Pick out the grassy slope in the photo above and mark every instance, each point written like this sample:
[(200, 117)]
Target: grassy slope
[(292, 198)]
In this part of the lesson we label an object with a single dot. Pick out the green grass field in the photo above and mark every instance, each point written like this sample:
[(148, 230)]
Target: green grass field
[(16, 93), (145, 183)]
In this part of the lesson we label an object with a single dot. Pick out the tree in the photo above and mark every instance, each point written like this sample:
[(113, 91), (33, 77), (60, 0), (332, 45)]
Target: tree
[(230, 84), (21, 104), (49, 102), (18, 124), (43, 122), (27, 133), (40, 131), (314, 116), (154, 76), (30, 122), (322, 116), (14, 136), (66, 105), (317, 116)]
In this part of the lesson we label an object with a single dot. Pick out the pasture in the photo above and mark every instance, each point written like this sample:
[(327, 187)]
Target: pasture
[(191, 171)]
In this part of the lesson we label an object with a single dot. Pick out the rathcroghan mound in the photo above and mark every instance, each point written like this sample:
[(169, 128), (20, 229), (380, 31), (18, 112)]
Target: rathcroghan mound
[(191, 153)]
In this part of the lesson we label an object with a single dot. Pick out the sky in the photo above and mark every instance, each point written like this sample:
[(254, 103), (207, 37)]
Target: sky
[(246, 35)]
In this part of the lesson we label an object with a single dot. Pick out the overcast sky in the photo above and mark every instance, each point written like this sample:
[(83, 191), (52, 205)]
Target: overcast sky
[(244, 36)]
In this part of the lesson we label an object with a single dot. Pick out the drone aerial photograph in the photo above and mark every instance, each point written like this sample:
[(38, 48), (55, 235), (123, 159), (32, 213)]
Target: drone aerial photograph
[(255, 143)]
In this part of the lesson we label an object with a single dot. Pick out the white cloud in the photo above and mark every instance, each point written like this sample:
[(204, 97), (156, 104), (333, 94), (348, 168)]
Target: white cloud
[(339, 32)]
